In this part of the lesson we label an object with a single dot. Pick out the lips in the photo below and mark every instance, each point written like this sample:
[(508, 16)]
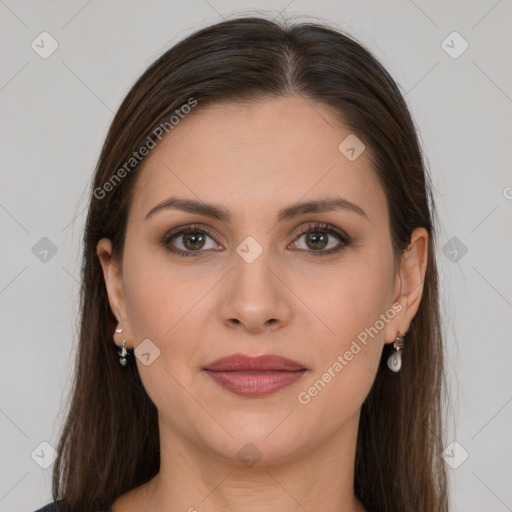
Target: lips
[(254, 376), (267, 362)]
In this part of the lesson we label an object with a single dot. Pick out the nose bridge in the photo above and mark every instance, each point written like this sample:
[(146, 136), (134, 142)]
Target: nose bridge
[(254, 278), (255, 298)]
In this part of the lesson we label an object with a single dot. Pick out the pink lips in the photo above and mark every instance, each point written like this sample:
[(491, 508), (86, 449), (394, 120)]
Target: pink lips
[(254, 376)]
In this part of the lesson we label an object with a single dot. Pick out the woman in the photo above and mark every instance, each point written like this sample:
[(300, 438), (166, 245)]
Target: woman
[(260, 238)]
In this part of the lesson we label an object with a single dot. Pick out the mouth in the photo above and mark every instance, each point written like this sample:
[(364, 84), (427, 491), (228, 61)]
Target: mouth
[(254, 384), (255, 376)]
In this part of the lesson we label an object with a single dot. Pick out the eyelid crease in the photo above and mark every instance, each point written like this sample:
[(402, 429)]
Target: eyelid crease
[(323, 225)]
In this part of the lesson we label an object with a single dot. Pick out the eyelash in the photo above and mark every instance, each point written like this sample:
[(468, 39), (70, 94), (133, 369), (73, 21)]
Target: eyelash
[(315, 226)]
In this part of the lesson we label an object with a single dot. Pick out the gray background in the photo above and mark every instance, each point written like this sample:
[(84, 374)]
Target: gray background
[(55, 113)]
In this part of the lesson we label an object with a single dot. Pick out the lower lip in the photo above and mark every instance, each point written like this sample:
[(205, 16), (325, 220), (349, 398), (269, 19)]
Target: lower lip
[(254, 384)]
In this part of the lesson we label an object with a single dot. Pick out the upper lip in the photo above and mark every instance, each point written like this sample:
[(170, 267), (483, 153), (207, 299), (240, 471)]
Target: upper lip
[(241, 362)]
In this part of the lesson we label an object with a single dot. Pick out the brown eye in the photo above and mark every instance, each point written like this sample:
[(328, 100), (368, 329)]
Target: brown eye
[(189, 241), (316, 240), (321, 240), (193, 241)]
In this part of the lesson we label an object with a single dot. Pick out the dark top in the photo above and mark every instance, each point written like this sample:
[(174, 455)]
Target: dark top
[(56, 507), (51, 507)]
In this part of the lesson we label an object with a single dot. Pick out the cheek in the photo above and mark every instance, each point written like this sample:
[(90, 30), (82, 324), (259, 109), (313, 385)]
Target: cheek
[(350, 299), (162, 304), (351, 309), (159, 295), (347, 358), (152, 307)]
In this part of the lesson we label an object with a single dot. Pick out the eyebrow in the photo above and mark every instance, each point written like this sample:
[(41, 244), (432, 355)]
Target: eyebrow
[(288, 213)]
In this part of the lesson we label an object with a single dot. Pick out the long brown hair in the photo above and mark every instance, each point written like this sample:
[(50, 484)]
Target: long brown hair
[(110, 442)]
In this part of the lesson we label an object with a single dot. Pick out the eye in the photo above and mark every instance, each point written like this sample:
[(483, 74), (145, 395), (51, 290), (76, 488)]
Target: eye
[(318, 239), (189, 241)]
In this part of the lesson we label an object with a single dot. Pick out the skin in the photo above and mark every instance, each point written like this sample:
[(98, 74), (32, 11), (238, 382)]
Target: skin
[(254, 160)]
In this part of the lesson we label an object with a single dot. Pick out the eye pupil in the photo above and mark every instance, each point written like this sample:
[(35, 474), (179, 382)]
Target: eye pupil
[(194, 238), (316, 238)]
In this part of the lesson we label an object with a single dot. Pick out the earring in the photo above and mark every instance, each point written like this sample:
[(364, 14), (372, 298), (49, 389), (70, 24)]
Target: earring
[(123, 353), (395, 359)]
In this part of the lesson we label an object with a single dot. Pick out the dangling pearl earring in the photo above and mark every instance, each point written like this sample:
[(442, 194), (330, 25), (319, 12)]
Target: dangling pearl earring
[(123, 353), (395, 359)]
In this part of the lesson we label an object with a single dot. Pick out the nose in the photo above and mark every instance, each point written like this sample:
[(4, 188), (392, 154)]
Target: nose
[(255, 299)]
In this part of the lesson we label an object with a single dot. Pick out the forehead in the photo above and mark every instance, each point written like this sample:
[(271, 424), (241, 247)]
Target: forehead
[(257, 155)]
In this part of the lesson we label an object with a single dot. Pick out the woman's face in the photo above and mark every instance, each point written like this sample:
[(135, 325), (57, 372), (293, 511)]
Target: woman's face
[(258, 283)]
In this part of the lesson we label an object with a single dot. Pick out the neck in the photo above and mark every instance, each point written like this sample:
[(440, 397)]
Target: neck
[(193, 478)]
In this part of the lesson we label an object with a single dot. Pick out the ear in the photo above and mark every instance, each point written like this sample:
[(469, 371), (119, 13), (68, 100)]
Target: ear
[(115, 288), (409, 283)]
